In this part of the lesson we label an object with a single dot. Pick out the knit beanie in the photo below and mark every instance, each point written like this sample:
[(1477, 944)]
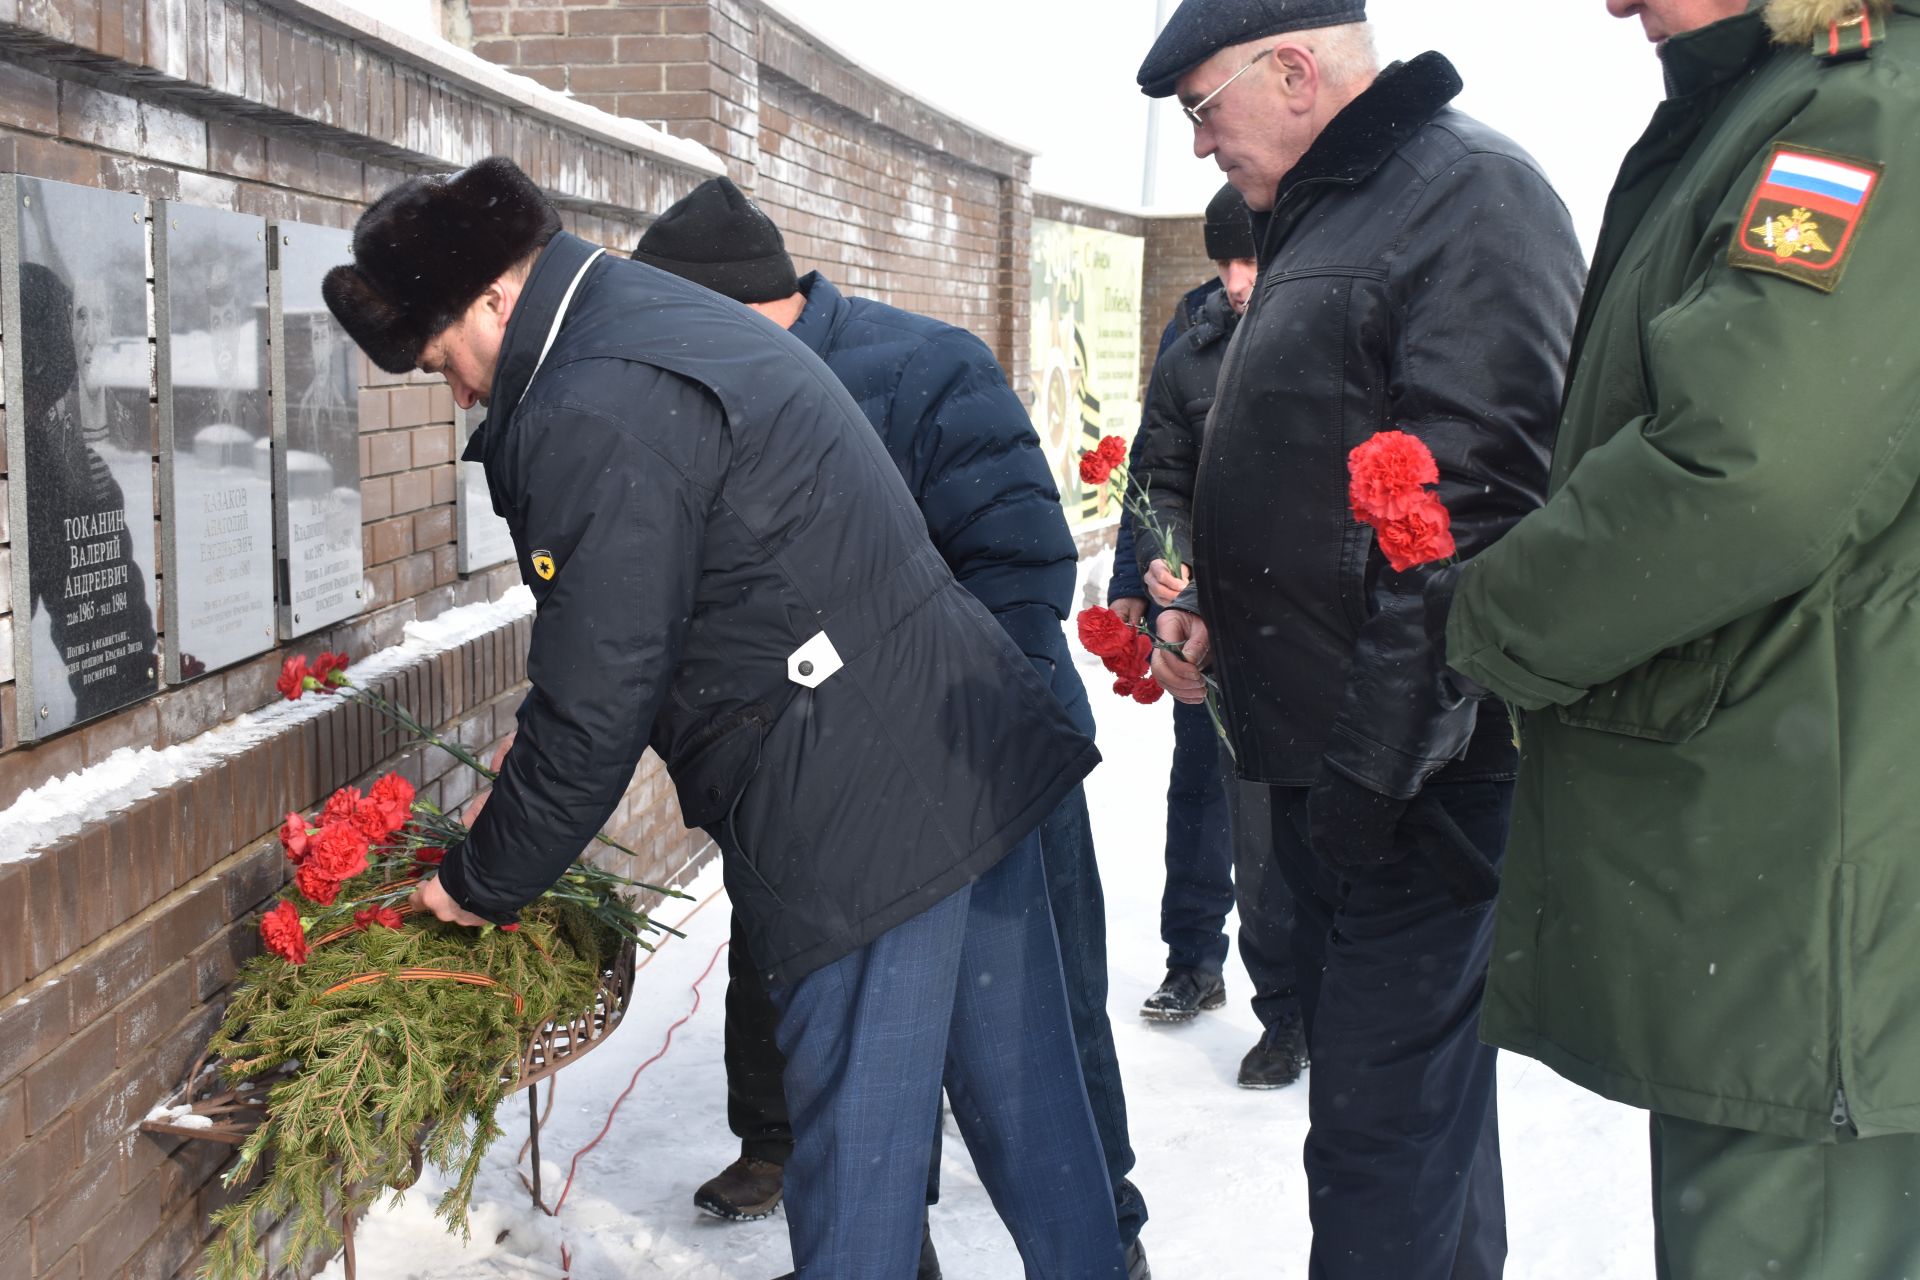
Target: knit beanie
[(1229, 226), (717, 237)]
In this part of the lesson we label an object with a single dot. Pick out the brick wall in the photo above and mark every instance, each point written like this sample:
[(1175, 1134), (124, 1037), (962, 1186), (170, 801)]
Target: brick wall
[(1176, 262), (890, 197), (117, 944)]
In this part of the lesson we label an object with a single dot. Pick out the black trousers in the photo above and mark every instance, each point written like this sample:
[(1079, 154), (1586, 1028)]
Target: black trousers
[(756, 1098), (1403, 1151)]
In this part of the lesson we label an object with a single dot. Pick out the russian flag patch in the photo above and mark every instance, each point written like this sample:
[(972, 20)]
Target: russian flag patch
[(1805, 215)]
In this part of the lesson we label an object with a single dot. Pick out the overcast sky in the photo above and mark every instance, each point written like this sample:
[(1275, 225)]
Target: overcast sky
[(1571, 84)]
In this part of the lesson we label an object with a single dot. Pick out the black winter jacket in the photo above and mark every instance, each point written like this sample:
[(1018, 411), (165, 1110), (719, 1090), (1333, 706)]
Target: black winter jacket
[(963, 443), (1166, 457), (1417, 272), (696, 502), (1127, 578)]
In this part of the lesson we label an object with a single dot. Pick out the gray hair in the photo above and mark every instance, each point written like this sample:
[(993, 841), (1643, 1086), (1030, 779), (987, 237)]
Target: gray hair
[(1347, 54)]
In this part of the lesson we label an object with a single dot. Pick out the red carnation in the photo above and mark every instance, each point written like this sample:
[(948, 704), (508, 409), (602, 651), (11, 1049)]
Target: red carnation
[(1097, 465), (393, 797), (293, 677), (340, 851), (340, 806), (1131, 662), (1421, 536), (316, 884), (327, 666), (1142, 689), (1388, 475), (429, 857), (380, 917), (1105, 633), (296, 836), (283, 934)]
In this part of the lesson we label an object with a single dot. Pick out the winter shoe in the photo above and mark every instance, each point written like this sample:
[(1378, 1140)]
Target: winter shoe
[(1183, 995), (1278, 1059), (1137, 1268), (744, 1191)]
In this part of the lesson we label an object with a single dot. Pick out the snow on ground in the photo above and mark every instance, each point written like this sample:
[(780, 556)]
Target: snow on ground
[(1219, 1165)]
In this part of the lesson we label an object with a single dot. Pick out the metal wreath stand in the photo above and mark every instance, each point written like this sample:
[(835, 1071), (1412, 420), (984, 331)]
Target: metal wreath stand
[(229, 1115)]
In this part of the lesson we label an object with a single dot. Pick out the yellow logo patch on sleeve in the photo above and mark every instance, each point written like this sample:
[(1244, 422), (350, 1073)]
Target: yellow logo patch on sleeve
[(544, 566), (1805, 215)]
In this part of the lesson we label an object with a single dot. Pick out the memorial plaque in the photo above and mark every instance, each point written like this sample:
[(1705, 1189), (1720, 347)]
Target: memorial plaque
[(216, 444), (316, 431), (483, 537), (80, 438)]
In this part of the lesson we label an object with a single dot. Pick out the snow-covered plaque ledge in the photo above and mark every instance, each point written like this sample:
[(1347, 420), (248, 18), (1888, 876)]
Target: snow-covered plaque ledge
[(47, 815)]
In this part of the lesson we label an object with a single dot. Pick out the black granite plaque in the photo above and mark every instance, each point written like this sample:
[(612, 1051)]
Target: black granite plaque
[(317, 432), (80, 436), (216, 449), (483, 537)]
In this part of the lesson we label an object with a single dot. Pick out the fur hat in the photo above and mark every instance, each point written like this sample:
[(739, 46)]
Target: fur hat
[(426, 249), (716, 237), (1229, 227)]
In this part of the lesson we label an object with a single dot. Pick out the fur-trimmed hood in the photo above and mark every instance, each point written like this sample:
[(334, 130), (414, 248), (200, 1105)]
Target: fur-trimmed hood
[(1795, 22)]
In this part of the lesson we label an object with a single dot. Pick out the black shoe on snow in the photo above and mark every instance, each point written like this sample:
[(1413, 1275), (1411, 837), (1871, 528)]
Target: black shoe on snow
[(1278, 1059), (744, 1191), (1137, 1268), (929, 1260), (1183, 995)]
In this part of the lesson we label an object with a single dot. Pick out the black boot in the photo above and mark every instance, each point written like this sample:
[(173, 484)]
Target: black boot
[(744, 1191), (1279, 1058), (929, 1260), (1183, 995)]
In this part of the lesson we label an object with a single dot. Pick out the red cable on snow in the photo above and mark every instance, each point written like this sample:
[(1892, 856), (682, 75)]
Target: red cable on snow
[(612, 1111)]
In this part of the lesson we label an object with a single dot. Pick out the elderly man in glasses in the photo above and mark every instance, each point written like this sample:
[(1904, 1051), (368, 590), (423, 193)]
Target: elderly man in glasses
[(1416, 273)]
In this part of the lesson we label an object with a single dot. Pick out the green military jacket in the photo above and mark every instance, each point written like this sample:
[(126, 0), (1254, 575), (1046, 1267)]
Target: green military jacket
[(1712, 893)]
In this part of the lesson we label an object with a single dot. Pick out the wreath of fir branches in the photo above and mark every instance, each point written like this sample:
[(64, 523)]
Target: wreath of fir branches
[(386, 1065)]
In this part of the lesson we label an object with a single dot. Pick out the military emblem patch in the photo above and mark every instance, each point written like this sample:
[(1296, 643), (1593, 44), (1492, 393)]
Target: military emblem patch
[(544, 566), (1805, 215)]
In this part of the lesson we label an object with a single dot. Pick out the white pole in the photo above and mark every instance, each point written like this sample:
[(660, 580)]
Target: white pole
[(1150, 172)]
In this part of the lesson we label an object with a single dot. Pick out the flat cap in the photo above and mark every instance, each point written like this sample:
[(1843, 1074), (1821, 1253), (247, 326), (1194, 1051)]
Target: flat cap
[(1201, 28)]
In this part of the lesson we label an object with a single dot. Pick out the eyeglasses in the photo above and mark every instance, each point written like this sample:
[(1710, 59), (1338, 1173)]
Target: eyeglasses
[(1193, 112)]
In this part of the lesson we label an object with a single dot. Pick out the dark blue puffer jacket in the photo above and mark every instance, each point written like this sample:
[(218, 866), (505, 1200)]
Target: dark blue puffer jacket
[(971, 459)]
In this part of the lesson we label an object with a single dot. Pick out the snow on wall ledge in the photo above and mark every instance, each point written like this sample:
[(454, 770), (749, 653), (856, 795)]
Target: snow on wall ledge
[(57, 809)]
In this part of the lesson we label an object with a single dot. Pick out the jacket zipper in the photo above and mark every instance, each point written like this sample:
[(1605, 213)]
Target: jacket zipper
[(1842, 1116)]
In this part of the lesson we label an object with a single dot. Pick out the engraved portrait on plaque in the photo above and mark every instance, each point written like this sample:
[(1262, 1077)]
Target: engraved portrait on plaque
[(216, 459), (316, 426), (80, 437)]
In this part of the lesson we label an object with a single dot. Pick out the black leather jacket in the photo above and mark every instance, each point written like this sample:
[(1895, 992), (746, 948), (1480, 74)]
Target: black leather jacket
[(1417, 273)]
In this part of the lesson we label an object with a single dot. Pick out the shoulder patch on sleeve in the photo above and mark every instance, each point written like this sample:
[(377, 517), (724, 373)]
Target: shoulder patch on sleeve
[(1805, 215)]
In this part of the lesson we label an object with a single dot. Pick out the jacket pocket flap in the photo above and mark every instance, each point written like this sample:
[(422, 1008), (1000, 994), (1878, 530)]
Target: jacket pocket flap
[(1667, 700), (710, 779)]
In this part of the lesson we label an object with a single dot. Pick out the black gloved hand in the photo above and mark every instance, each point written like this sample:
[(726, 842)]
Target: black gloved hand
[(1351, 827)]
